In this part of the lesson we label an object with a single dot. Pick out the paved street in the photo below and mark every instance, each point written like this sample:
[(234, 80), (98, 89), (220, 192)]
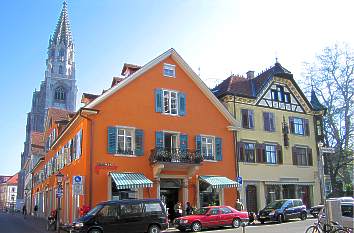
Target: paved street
[(15, 223)]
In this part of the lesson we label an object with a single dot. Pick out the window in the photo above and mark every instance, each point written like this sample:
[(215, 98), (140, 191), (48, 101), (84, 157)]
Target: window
[(169, 70), (278, 94), (131, 209), (302, 156), (249, 153), (109, 211), (214, 211), (347, 210), (298, 126), (270, 154), (247, 119), (125, 138), (319, 128), (287, 98), (60, 94), (225, 210), (170, 102), (61, 53), (208, 148), (269, 122), (125, 141), (60, 69), (153, 207)]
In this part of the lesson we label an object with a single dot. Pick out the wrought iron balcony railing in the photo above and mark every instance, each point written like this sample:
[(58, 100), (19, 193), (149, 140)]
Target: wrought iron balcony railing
[(175, 155)]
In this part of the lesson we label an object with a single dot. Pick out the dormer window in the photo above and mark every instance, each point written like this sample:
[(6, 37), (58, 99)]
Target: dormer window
[(60, 94), (280, 95), (169, 70)]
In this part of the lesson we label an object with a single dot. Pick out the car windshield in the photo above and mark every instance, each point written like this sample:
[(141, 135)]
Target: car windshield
[(95, 210), (201, 211), (275, 204)]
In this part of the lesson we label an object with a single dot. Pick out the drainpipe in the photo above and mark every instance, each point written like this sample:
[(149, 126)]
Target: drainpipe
[(90, 160), (237, 166)]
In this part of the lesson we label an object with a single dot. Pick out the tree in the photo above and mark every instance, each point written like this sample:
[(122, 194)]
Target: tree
[(331, 77)]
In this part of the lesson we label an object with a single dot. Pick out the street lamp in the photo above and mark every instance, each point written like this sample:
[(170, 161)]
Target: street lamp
[(321, 172), (59, 194)]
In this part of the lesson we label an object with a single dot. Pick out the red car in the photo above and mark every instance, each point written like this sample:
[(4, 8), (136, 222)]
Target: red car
[(211, 217)]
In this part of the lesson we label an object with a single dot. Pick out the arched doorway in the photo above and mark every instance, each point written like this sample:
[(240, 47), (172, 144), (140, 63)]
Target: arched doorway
[(251, 198)]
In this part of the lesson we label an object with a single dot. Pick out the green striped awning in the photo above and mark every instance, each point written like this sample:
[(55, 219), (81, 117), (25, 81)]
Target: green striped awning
[(130, 180), (219, 181)]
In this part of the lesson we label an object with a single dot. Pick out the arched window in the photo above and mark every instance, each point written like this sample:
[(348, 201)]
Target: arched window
[(60, 93), (60, 69), (52, 53), (61, 53)]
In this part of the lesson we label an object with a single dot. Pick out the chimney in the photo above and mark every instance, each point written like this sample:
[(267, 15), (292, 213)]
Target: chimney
[(250, 74)]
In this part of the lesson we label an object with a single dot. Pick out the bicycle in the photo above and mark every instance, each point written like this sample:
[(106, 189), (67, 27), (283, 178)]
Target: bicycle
[(332, 227)]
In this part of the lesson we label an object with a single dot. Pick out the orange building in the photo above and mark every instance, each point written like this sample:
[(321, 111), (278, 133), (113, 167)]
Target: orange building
[(159, 132)]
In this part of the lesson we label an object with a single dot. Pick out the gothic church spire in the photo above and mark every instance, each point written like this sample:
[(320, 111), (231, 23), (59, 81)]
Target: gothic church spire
[(62, 31)]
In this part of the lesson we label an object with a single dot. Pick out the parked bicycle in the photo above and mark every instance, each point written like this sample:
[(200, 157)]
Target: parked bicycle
[(320, 226)]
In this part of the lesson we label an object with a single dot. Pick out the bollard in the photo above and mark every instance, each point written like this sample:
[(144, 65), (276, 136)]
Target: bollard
[(243, 225)]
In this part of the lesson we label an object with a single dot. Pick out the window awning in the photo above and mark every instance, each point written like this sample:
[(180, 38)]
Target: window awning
[(130, 180), (219, 181)]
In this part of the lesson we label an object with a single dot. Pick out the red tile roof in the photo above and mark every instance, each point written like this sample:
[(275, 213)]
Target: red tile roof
[(240, 86), (131, 67), (87, 97), (116, 80), (58, 114), (13, 180), (37, 138)]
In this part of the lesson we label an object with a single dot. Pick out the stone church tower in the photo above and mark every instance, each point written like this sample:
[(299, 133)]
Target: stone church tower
[(58, 89)]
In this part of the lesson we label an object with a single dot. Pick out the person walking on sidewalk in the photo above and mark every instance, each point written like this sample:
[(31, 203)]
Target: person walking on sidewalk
[(24, 211), (35, 209)]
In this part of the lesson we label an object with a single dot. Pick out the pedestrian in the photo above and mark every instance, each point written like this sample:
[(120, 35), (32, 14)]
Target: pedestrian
[(239, 206), (178, 210), (35, 209), (189, 209), (24, 210)]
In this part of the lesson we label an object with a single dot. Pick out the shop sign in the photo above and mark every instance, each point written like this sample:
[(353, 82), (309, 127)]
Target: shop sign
[(104, 166)]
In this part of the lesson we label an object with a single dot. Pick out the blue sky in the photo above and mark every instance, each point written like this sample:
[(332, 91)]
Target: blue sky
[(218, 36)]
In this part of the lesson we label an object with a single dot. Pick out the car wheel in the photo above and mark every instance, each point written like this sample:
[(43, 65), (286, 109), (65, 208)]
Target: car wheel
[(154, 229), (236, 223), (196, 226), (303, 216), (95, 231), (280, 218)]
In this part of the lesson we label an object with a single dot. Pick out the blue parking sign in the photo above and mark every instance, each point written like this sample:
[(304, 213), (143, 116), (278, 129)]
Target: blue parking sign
[(239, 179)]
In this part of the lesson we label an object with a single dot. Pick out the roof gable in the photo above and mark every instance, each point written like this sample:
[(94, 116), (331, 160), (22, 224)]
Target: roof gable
[(185, 67)]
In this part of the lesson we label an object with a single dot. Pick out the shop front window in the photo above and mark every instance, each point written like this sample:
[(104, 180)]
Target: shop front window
[(208, 195), (272, 193), (122, 194)]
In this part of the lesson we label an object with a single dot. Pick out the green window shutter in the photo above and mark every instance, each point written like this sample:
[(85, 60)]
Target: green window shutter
[(112, 140), (279, 154), (307, 127), (294, 153), (291, 125), (181, 104), (159, 139), (309, 155), (241, 151), (266, 121), (218, 149), (139, 142), (198, 143), (183, 140), (158, 100)]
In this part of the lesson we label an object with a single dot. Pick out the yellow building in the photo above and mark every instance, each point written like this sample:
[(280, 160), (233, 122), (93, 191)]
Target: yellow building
[(277, 145)]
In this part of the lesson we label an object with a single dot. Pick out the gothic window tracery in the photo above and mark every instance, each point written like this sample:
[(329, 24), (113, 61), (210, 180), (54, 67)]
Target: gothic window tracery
[(60, 94)]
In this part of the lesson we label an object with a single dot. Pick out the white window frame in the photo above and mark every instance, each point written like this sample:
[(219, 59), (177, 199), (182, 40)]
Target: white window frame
[(208, 150), (269, 153), (169, 109), (299, 129), (125, 128), (171, 68)]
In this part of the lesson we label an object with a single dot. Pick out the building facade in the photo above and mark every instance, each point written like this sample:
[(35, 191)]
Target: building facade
[(57, 90), (277, 146), (8, 192), (156, 133)]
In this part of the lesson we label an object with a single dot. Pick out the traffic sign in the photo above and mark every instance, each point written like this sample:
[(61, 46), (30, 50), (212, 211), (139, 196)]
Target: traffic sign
[(328, 150), (78, 189), (59, 192), (239, 179), (77, 180)]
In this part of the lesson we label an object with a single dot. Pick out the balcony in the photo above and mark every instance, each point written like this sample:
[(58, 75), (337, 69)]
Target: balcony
[(175, 156)]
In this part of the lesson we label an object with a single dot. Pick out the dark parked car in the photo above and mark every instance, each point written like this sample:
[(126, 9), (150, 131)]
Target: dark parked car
[(147, 215), (282, 210), (211, 217), (315, 210)]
